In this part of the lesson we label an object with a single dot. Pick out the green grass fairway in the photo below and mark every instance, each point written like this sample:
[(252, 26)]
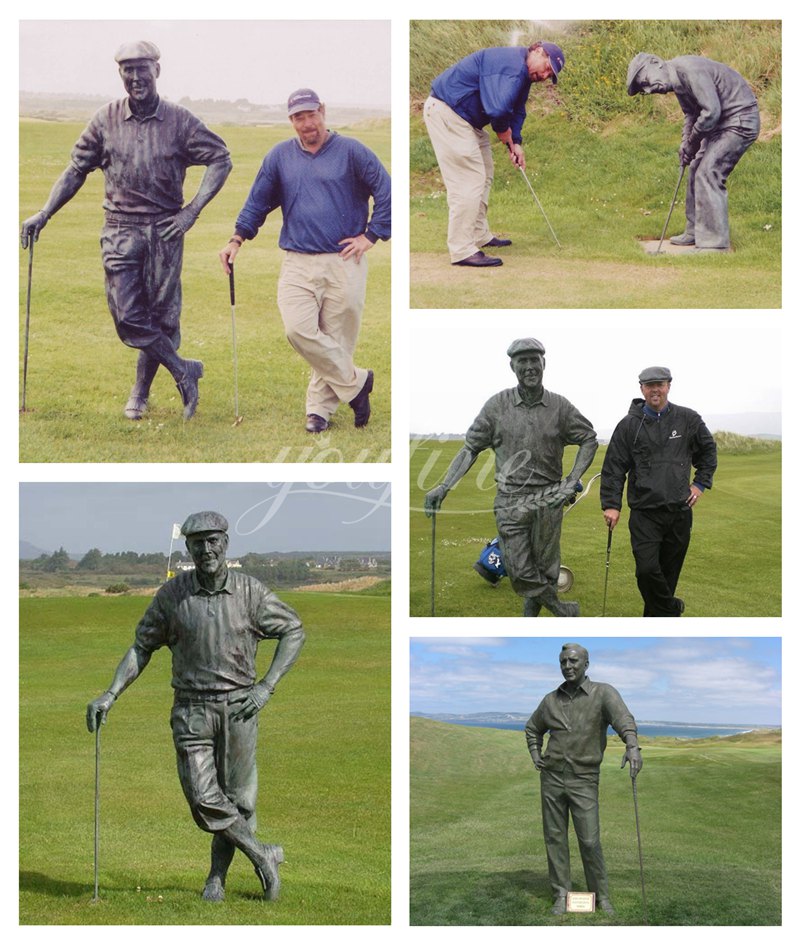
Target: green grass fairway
[(79, 373), (324, 775), (733, 568), (604, 167), (477, 853)]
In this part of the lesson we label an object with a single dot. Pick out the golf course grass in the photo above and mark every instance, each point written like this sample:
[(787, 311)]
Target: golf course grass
[(79, 373), (604, 167), (724, 575), (710, 821), (323, 760)]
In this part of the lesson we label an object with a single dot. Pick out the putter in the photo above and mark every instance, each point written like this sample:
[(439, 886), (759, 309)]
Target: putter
[(538, 202), (96, 808), (237, 419), (639, 841), (433, 564), (27, 326), (671, 208), (608, 562)]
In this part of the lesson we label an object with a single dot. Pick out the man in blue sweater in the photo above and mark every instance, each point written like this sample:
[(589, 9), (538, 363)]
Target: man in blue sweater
[(322, 183), (488, 87)]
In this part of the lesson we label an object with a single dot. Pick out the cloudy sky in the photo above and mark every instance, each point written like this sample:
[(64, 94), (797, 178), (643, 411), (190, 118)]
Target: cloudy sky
[(716, 680), (347, 62), (125, 516), (721, 363)]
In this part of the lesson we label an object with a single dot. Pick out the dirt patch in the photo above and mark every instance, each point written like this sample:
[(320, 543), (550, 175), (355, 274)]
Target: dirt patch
[(351, 584)]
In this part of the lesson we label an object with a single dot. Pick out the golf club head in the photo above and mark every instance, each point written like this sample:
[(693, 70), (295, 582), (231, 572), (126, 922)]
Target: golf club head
[(237, 421)]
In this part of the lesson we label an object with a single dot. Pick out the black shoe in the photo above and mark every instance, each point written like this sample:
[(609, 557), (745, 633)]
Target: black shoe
[(496, 242), (267, 870), (360, 403), (316, 424), (479, 259), (188, 388)]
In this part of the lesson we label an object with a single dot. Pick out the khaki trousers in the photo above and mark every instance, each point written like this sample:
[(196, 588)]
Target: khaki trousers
[(464, 154), (321, 298)]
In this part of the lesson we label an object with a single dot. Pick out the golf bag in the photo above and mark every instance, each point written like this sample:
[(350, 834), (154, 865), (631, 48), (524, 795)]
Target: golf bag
[(490, 563)]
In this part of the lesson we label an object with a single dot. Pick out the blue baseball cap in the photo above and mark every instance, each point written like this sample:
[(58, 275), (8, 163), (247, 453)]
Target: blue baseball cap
[(303, 100), (556, 57)]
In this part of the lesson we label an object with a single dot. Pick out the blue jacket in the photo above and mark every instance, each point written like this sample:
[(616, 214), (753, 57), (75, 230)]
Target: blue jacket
[(324, 197), (489, 86)]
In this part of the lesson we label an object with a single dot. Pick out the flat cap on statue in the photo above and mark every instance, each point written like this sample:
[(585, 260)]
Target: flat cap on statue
[(525, 344), (204, 522), (651, 375), (141, 49)]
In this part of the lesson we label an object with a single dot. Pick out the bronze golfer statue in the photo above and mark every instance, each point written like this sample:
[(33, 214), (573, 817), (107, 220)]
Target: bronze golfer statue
[(528, 428), (144, 145), (212, 619), (577, 716)]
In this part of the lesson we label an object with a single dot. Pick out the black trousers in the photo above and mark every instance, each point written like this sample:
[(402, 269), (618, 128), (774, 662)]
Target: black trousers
[(659, 540)]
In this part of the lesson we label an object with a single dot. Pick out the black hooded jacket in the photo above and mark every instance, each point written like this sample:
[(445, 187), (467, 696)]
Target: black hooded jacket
[(657, 456)]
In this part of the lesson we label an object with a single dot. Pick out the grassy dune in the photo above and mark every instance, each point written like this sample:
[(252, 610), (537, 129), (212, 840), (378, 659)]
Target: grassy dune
[(79, 374), (323, 767), (604, 166), (477, 854), (723, 576)]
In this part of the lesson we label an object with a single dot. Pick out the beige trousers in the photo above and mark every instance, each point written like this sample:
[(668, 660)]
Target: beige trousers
[(321, 298), (464, 154)]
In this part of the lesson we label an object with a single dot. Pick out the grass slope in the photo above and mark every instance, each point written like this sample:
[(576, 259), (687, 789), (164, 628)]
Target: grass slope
[(477, 854), (79, 374), (723, 576), (323, 766), (604, 165)]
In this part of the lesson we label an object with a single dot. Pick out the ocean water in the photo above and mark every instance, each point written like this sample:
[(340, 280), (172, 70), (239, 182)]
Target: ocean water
[(669, 729)]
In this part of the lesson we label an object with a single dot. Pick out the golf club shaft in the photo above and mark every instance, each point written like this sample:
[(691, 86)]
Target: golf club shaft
[(27, 324), (96, 808), (235, 357), (433, 564), (539, 205), (639, 841), (608, 563), (671, 208)]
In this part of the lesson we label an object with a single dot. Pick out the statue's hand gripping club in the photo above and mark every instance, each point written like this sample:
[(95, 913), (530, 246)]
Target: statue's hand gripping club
[(98, 709), (434, 499), (632, 756)]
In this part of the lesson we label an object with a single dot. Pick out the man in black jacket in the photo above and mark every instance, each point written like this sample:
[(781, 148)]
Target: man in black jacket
[(655, 447)]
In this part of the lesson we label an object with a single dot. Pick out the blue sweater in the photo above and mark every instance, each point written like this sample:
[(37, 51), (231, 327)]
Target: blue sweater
[(489, 86), (324, 197)]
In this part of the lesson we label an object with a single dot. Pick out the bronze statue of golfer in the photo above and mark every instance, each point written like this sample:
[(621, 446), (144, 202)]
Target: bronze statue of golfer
[(212, 619), (577, 716), (528, 428)]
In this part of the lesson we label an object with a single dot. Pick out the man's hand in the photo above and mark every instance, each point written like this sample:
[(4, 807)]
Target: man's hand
[(633, 757), (434, 499), (249, 702), (354, 247), (536, 758), (32, 227), (612, 517), (228, 254), (517, 155), (171, 227), (97, 710), (695, 494)]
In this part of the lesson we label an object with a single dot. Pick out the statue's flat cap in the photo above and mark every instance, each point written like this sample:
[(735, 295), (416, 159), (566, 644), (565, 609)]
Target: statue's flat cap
[(635, 66), (525, 344), (204, 522), (141, 49), (652, 375)]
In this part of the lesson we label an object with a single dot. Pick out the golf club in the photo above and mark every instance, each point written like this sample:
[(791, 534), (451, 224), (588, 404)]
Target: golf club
[(96, 807), (608, 562), (433, 563), (671, 208), (639, 841), (27, 326), (237, 418), (538, 202)]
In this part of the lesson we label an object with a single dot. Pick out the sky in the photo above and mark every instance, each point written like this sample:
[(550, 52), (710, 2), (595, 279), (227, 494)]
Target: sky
[(126, 516), (721, 363), (734, 680), (260, 60)]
